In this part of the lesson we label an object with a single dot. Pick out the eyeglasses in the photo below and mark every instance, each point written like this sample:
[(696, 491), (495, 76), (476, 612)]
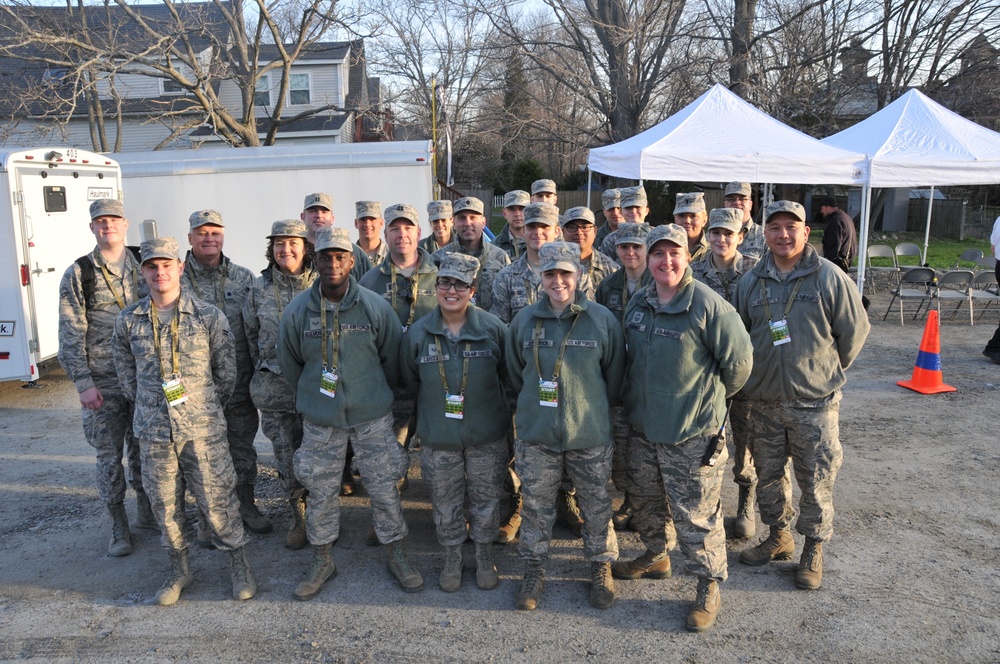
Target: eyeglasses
[(445, 286)]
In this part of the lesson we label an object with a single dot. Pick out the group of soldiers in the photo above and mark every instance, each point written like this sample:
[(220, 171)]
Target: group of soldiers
[(536, 367)]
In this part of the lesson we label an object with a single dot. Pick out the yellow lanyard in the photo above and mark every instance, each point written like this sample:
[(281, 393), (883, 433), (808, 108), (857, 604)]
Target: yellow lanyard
[(174, 337), (122, 299), (413, 291), (465, 365), (788, 305), (562, 350), (335, 337)]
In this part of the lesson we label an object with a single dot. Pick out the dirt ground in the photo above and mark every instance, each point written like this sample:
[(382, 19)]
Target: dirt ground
[(912, 574)]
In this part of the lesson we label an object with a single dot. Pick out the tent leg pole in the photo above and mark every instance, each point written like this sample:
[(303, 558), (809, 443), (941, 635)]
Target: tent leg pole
[(590, 177), (863, 235), (927, 230)]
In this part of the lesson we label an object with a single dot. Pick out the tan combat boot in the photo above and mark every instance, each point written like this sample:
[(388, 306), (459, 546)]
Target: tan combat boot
[(121, 538), (602, 586), (810, 573), (179, 579), (244, 586), (649, 565), (254, 520), (509, 530), (778, 546), (623, 515), (706, 606), (745, 525), (568, 512), (144, 513), (296, 538), (451, 575), (322, 570), (530, 593), (401, 568), (486, 568)]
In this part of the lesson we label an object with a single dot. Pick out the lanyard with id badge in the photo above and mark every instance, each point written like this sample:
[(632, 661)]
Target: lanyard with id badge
[(454, 404), (328, 379), (548, 390), (173, 388), (412, 297), (779, 328)]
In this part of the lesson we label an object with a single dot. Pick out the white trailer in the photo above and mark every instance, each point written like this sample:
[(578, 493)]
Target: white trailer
[(44, 227), (253, 187)]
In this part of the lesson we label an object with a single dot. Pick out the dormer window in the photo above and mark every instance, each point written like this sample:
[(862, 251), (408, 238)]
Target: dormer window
[(299, 90)]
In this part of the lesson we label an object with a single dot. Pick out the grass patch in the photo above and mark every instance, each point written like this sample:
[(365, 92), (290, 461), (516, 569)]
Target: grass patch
[(942, 253)]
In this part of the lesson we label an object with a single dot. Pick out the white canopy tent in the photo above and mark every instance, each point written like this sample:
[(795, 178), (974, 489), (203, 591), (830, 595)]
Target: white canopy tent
[(915, 141)]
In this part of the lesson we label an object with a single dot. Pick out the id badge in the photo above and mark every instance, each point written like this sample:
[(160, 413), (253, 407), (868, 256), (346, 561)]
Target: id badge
[(328, 383), (174, 391), (454, 406), (405, 328), (779, 332), (548, 393)]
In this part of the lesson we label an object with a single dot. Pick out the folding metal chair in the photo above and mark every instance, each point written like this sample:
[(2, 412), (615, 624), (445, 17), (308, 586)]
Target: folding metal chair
[(984, 289), (969, 256), (907, 250), (987, 263), (954, 286), (917, 283), (889, 273)]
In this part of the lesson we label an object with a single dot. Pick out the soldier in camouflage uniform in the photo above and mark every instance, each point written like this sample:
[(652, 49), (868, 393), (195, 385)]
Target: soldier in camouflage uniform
[(442, 226), (174, 354), (317, 213), (86, 321), (578, 225), (721, 269), (687, 354), (807, 324), (739, 196), (611, 203), (369, 222), (339, 350), (209, 275), (289, 271), (691, 214), (544, 191), (469, 225), (453, 358), (520, 283), (511, 236), (634, 210), (566, 359)]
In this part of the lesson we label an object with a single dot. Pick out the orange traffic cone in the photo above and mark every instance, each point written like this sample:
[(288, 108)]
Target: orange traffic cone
[(927, 378)]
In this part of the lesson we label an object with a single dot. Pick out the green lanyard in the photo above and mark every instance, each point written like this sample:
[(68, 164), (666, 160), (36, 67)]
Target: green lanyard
[(562, 349), (465, 365), (335, 337), (220, 303), (788, 305), (413, 291), (174, 337), (122, 299)]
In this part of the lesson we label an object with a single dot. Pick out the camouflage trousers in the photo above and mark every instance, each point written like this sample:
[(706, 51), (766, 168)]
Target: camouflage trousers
[(241, 428), (693, 493), (478, 470), (404, 425), (740, 415), (284, 430), (619, 434), (206, 469), (811, 438), (109, 431), (541, 470), (319, 465)]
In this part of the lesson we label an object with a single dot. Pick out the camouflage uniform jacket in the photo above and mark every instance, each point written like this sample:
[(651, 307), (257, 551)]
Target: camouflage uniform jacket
[(206, 362), (701, 249), (608, 246), (515, 287), (410, 297), (603, 232), (596, 269), (361, 262), (722, 282), (479, 346), (827, 326), (513, 246), (367, 362), (226, 286), (685, 358), (591, 376), (269, 295), (491, 260), (85, 328), (379, 255), (613, 293), (430, 245), (753, 240)]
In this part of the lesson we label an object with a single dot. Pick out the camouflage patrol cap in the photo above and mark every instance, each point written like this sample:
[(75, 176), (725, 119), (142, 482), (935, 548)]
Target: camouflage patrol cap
[(728, 218), (580, 213), (692, 202), (459, 266), (667, 233), (319, 199), (611, 198), (333, 238), (470, 203), (367, 209), (543, 187), (546, 214), (287, 228), (159, 247), (106, 207), (634, 196), (559, 256), (205, 218), (438, 210), (516, 197), (401, 212), (789, 207), (632, 233), (739, 189)]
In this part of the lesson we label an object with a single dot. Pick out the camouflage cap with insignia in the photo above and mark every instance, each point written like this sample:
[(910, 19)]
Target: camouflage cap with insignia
[(611, 198), (288, 228), (516, 197), (789, 207), (632, 233), (559, 256), (580, 213), (364, 209), (205, 218), (470, 203), (728, 218), (333, 238), (106, 207), (541, 213), (669, 233), (159, 247), (634, 197), (319, 199), (401, 212), (739, 189), (438, 210), (693, 202), (459, 266), (543, 187)]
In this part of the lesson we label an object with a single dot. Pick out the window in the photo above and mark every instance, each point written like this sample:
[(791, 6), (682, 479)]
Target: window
[(171, 87), (298, 90), (262, 91)]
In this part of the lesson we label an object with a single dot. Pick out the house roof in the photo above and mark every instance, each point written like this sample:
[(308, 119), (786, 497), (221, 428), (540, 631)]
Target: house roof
[(311, 124)]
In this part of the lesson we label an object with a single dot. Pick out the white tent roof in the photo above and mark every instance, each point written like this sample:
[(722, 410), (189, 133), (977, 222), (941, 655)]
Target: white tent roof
[(719, 137), (916, 141)]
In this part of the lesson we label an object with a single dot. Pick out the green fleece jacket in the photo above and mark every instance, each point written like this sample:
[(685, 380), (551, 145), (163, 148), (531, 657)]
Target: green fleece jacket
[(367, 362), (480, 343), (685, 358), (592, 372), (409, 300)]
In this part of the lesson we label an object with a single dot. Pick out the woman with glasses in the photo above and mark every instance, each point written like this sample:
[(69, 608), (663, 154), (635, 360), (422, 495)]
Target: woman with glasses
[(454, 359)]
